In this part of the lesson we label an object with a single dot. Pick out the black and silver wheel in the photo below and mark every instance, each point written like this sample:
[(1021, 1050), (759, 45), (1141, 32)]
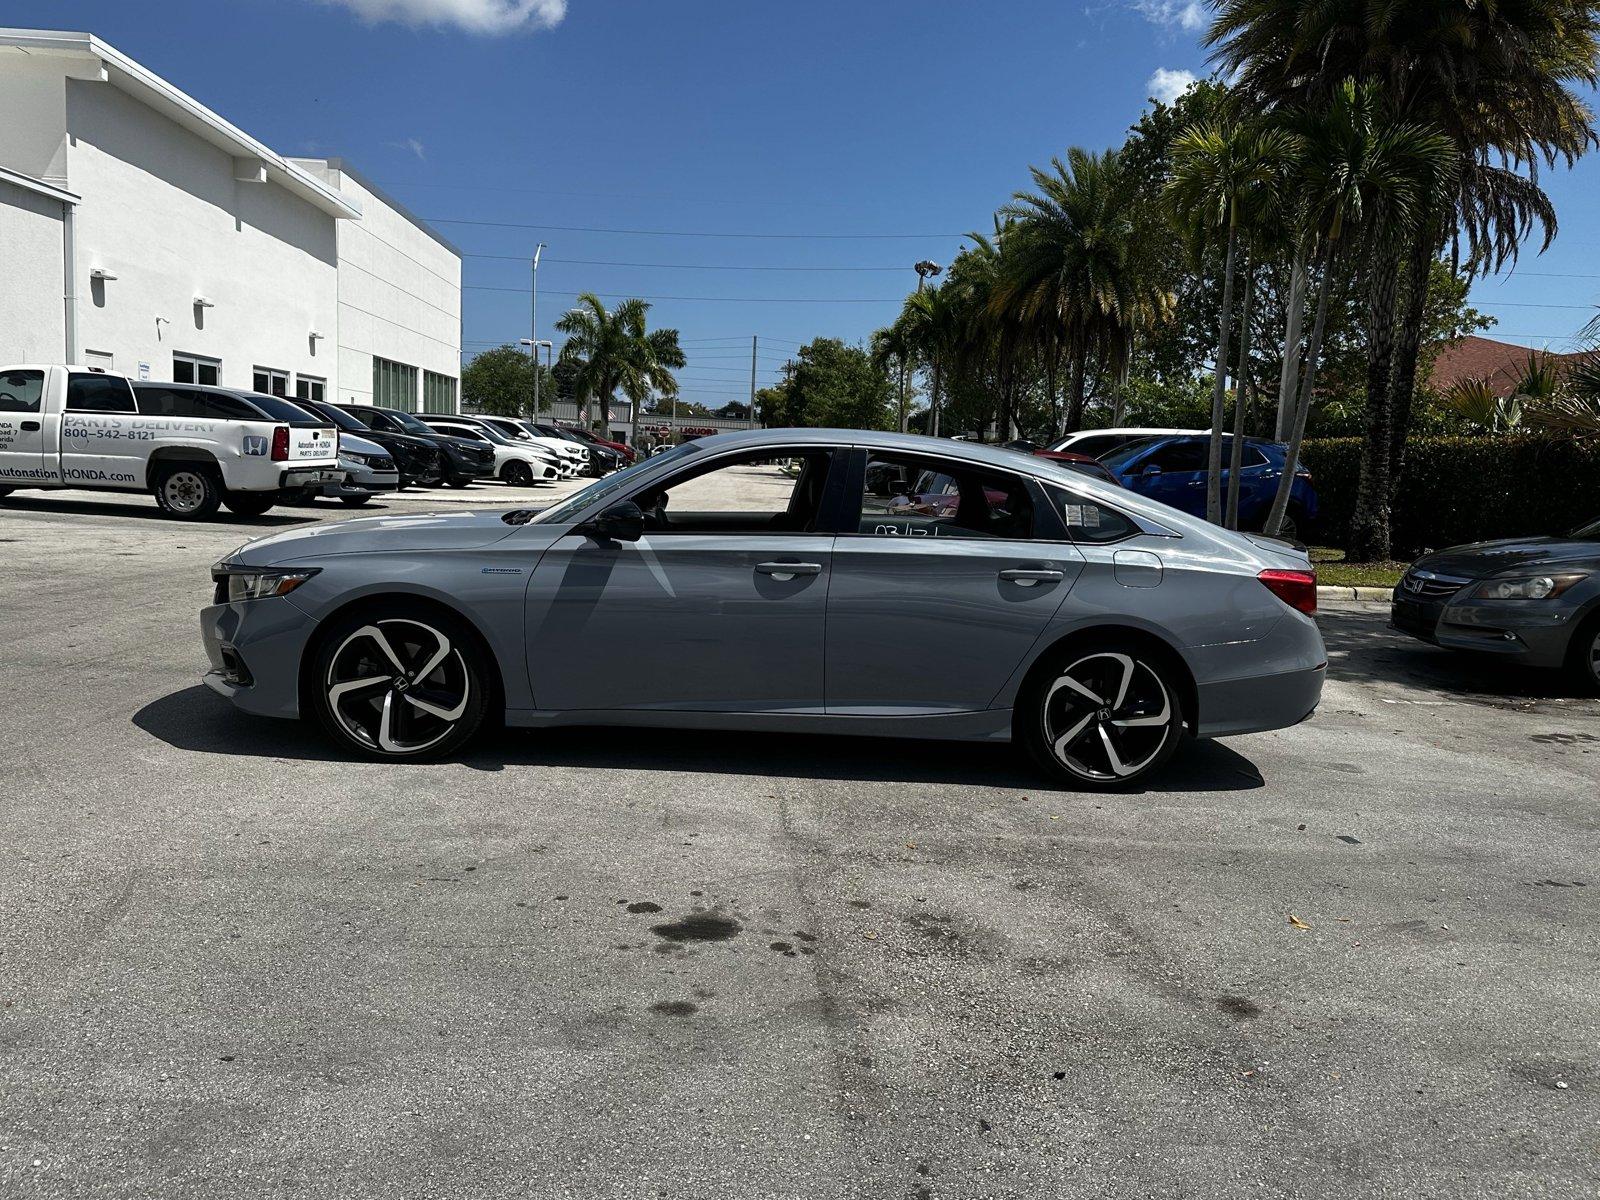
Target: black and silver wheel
[(401, 683), (354, 501), (189, 491), (1103, 719), (1583, 658), (457, 482), (249, 504), (518, 474)]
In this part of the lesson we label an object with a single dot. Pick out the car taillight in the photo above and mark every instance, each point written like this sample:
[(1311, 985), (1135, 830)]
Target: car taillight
[(1297, 589), (280, 444)]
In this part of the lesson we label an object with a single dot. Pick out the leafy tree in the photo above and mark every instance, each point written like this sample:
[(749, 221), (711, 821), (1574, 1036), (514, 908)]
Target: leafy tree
[(831, 385), (500, 382), (614, 350)]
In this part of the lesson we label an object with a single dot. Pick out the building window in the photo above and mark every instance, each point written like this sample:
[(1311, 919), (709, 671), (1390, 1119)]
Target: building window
[(270, 382), (438, 393), (394, 385), (309, 387), (191, 368)]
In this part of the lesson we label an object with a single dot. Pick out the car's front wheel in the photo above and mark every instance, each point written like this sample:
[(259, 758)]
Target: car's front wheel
[(518, 474), (401, 681), (1583, 659), (1103, 718)]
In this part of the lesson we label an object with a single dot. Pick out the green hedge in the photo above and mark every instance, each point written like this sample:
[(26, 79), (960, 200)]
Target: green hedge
[(1464, 489)]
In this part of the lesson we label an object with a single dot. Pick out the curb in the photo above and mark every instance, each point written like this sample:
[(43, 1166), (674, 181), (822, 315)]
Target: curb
[(1356, 593)]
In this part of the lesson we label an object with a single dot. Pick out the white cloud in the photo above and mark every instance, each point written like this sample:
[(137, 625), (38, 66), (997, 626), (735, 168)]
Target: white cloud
[(474, 16), (415, 146), (1166, 85), (1188, 15)]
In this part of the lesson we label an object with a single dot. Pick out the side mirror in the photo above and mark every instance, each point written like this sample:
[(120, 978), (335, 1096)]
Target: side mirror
[(622, 522), (1151, 469)]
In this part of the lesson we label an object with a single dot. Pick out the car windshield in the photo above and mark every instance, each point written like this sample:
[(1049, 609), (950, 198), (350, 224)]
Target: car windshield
[(576, 503), (1116, 462), (410, 424), (487, 431), (339, 417)]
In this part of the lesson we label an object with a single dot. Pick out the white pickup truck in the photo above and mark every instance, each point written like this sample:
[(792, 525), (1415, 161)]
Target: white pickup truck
[(191, 448)]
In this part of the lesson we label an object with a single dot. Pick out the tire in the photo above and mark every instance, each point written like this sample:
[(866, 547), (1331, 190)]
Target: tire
[(457, 483), (1076, 717), (188, 491), (1583, 656), (354, 501), (518, 474), (367, 704), (249, 504)]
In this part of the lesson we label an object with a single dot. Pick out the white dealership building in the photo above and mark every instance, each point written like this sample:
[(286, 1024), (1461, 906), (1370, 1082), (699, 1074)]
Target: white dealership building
[(142, 232)]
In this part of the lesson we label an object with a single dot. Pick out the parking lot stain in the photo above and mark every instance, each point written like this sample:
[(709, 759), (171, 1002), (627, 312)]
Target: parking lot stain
[(674, 1008), (644, 906), (698, 927), (860, 904), (1346, 838), (783, 948), (1563, 739), (1239, 1006)]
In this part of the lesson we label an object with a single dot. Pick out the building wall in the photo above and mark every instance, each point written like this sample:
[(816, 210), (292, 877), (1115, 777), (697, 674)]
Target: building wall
[(163, 212), (33, 326), (33, 101), (399, 294)]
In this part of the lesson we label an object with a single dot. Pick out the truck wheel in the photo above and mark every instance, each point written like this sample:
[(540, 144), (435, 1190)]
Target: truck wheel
[(249, 504), (401, 681), (188, 491), (518, 474)]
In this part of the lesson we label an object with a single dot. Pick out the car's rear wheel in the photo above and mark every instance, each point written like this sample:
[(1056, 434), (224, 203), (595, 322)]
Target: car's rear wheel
[(457, 483), (401, 682), (188, 491), (518, 474), (1103, 718), (249, 504)]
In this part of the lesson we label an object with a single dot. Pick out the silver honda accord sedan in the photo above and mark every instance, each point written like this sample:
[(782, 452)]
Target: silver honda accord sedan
[(818, 580)]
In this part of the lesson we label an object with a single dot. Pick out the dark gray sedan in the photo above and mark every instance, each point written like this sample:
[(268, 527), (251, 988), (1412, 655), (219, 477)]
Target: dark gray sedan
[(770, 580), (1535, 600)]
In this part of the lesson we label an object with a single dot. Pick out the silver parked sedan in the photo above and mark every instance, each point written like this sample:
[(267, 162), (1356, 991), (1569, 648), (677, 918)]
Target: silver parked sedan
[(778, 579)]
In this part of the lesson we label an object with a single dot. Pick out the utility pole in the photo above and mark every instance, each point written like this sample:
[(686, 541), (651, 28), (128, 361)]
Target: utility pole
[(533, 332), (754, 338)]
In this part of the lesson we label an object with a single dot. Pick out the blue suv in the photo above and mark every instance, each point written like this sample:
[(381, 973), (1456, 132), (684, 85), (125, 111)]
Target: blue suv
[(1173, 471)]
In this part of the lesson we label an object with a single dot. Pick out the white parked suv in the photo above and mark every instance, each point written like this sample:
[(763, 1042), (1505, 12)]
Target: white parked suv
[(193, 448), (513, 463)]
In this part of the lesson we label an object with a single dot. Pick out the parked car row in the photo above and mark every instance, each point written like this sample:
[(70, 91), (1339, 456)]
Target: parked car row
[(197, 447)]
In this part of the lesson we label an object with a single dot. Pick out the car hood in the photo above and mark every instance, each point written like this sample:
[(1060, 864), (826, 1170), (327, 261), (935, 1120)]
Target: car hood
[(1482, 559), (369, 535)]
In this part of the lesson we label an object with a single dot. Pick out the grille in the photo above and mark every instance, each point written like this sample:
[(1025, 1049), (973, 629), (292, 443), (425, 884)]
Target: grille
[(1429, 585)]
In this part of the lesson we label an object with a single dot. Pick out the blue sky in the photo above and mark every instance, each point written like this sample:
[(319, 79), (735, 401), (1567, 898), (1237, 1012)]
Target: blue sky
[(819, 126)]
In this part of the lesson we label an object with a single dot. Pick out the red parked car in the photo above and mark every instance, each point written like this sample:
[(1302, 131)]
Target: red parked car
[(1079, 462)]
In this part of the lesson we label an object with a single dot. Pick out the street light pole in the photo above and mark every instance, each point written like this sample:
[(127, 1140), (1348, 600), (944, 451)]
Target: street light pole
[(925, 269), (533, 331)]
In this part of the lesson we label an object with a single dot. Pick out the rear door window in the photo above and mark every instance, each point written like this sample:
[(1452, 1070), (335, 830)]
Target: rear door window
[(21, 391), (908, 496), (90, 392)]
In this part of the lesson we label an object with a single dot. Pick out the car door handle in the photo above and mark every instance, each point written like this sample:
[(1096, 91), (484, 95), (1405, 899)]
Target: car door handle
[(30, 427), (1031, 577), (785, 571)]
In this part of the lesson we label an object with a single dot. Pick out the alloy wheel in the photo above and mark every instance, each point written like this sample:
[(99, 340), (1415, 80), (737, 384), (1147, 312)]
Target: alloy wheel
[(1107, 716), (398, 686), (184, 491)]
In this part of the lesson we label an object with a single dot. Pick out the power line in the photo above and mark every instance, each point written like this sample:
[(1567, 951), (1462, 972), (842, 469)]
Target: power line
[(782, 237), (478, 287), (599, 262)]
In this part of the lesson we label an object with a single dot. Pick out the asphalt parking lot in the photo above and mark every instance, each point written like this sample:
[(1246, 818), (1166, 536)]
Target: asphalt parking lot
[(1357, 957)]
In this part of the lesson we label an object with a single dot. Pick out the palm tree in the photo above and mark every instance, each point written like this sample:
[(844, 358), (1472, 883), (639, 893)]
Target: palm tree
[(614, 351), (929, 326), (1226, 179), (1502, 81), (1076, 270), (890, 345), (1357, 172)]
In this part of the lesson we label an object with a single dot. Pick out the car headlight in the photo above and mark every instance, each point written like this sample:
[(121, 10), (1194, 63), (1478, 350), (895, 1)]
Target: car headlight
[(356, 458), (242, 583), (1529, 587)]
